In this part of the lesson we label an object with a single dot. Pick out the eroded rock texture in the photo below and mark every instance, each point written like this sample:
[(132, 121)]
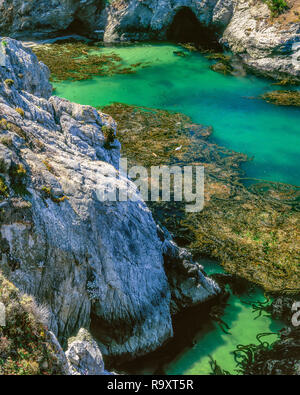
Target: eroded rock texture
[(270, 47), (80, 256)]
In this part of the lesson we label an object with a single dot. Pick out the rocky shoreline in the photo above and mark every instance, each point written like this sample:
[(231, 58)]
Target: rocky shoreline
[(265, 42), (81, 258), (108, 267)]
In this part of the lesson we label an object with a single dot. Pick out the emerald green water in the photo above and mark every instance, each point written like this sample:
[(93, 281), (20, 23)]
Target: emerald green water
[(211, 340), (241, 122), (267, 132)]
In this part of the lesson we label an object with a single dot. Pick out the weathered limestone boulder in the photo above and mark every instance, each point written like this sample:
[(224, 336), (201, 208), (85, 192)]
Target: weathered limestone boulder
[(88, 260), (188, 283), (270, 49)]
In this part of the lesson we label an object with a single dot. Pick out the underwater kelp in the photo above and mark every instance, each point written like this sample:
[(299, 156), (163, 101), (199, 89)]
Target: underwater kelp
[(253, 231), (283, 98), (80, 61), (280, 357)]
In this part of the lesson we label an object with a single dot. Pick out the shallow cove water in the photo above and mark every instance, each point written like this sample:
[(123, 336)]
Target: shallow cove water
[(241, 122), (211, 340), (198, 338)]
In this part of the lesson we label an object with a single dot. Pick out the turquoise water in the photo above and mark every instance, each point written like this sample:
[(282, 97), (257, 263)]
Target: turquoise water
[(212, 341), (240, 120)]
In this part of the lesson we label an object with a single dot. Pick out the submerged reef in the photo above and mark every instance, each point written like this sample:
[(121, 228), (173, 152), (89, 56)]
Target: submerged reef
[(253, 231)]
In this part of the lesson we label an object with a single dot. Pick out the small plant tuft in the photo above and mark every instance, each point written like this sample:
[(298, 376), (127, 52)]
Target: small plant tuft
[(48, 194), (4, 192), (20, 111), (109, 135), (9, 82), (3, 124), (277, 7)]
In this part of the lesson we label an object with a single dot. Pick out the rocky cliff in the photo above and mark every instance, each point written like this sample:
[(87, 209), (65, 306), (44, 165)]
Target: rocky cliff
[(85, 259), (265, 44)]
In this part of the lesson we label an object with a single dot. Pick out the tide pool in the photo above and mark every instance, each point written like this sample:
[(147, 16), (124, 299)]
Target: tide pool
[(241, 120), (244, 324)]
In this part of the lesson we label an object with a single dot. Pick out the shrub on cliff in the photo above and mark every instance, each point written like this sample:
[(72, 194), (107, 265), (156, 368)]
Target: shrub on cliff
[(277, 7), (24, 345)]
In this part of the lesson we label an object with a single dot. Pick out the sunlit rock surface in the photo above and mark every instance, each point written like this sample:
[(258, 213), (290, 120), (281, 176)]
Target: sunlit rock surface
[(79, 256)]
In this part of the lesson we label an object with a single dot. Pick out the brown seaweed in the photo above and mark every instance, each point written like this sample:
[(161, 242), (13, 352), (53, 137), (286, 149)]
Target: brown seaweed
[(79, 61), (253, 231)]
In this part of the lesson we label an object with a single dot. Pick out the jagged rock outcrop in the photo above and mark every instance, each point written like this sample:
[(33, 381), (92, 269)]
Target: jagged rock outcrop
[(84, 356), (79, 255), (19, 17), (188, 283), (244, 26), (269, 47), (146, 19)]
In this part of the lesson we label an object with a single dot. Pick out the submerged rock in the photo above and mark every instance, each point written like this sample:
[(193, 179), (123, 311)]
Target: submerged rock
[(80, 256), (222, 68)]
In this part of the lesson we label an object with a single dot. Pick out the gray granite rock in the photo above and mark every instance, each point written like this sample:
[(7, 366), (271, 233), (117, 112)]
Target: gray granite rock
[(244, 26), (84, 356), (84, 258)]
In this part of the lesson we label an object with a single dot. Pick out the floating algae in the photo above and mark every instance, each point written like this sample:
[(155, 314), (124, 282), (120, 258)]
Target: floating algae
[(200, 346), (79, 61), (244, 355), (283, 98), (186, 84), (253, 231)]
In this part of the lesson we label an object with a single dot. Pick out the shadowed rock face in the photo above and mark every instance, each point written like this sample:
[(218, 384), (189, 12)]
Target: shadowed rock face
[(19, 17), (186, 28), (76, 254)]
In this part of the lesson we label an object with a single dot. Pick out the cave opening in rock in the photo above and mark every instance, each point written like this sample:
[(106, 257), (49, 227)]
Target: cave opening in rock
[(186, 28), (77, 27)]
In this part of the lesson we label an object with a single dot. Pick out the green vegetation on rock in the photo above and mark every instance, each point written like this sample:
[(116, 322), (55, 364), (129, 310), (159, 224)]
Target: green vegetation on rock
[(277, 7), (4, 192), (24, 344)]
